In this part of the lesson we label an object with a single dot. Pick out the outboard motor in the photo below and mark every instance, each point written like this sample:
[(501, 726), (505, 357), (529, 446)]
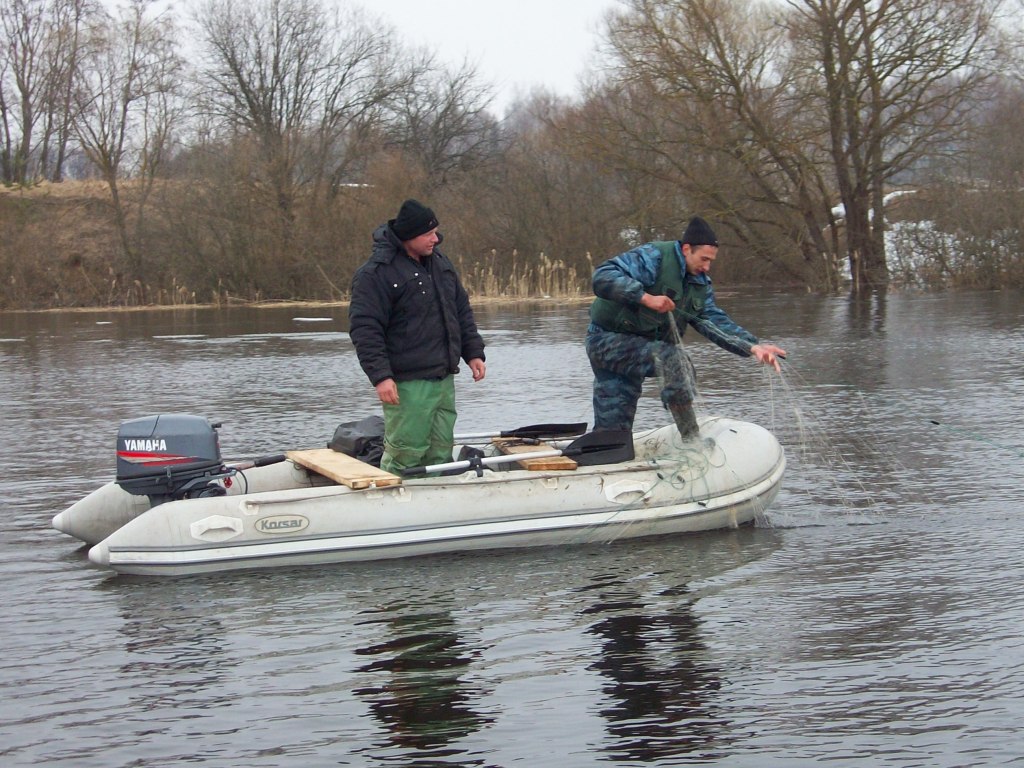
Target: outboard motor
[(170, 457)]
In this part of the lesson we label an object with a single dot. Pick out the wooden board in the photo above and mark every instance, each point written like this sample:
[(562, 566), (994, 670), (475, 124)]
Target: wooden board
[(513, 446), (343, 468)]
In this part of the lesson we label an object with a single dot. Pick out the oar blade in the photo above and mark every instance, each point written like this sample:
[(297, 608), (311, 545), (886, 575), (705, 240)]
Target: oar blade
[(531, 432), (602, 447), (547, 431)]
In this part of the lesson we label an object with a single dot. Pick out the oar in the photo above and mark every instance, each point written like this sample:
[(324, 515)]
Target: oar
[(611, 447), (532, 432)]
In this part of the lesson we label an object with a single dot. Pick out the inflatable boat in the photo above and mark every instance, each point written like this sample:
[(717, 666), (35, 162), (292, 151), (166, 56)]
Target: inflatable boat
[(176, 508)]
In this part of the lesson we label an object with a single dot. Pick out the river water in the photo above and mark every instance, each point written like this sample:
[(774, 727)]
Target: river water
[(876, 617)]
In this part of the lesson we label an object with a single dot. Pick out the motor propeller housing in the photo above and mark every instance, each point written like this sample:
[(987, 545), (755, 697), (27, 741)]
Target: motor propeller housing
[(169, 457)]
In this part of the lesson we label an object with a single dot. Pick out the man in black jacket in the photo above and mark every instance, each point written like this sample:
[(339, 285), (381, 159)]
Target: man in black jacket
[(411, 322)]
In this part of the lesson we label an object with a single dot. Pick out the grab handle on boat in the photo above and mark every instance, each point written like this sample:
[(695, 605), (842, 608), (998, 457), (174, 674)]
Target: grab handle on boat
[(627, 491)]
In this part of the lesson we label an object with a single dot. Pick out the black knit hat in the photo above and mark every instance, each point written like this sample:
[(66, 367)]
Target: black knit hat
[(699, 232), (413, 220)]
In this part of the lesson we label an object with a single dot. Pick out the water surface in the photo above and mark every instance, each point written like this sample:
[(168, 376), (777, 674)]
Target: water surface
[(874, 617)]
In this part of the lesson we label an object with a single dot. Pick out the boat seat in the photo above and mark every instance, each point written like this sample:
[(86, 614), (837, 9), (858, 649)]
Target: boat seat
[(344, 469), (513, 445)]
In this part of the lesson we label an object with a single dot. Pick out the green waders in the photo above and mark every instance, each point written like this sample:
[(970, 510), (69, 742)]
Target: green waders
[(418, 431)]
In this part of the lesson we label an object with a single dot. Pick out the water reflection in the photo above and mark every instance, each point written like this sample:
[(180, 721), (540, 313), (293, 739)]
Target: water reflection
[(178, 646), (661, 683), (867, 314), (424, 700), (661, 693)]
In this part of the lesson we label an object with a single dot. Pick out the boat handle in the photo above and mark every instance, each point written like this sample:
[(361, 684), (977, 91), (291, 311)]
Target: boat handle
[(216, 528), (613, 491)]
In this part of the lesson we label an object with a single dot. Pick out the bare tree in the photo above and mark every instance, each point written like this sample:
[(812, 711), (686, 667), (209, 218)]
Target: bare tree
[(38, 61), (295, 97), (124, 97), (896, 81), (7, 138), (441, 121), (70, 18), (966, 230), (552, 200), (699, 101), (25, 31), (801, 106), (304, 84)]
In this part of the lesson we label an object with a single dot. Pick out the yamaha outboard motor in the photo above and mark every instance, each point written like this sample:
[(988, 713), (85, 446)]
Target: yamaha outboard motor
[(170, 457)]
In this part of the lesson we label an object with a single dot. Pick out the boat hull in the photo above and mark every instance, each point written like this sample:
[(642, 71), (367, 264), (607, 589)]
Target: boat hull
[(108, 508), (669, 488)]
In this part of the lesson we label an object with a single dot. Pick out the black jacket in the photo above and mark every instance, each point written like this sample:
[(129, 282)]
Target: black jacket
[(407, 320)]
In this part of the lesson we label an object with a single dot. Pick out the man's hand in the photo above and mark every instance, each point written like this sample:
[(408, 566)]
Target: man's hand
[(768, 354), (660, 304), (478, 367), (387, 391)]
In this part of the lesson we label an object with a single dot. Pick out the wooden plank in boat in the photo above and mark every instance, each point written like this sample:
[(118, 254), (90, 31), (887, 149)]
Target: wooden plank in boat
[(513, 446), (343, 468)]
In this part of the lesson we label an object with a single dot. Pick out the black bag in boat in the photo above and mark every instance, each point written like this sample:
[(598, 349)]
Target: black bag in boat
[(363, 439)]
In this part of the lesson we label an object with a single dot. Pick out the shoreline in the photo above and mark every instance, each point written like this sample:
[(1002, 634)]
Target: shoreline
[(474, 300)]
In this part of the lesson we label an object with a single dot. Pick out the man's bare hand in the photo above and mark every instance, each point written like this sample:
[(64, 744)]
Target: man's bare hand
[(768, 354), (478, 367), (387, 391), (660, 304)]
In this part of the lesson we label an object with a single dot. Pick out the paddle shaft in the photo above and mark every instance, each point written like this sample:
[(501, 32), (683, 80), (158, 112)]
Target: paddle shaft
[(534, 431), (487, 461), (592, 448)]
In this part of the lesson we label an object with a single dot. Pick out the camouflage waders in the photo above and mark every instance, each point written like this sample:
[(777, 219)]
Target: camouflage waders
[(418, 431), (621, 362)]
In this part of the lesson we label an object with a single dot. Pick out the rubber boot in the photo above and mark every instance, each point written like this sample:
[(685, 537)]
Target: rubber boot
[(686, 421)]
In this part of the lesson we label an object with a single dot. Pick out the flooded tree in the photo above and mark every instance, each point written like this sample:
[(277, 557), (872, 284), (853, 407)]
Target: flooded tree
[(795, 117), (896, 83)]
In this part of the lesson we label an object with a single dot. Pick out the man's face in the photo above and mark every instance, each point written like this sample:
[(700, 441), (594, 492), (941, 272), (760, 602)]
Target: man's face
[(422, 245), (699, 257)]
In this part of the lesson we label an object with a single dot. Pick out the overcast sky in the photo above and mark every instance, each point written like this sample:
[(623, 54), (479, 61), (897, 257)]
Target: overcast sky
[(516, 44)]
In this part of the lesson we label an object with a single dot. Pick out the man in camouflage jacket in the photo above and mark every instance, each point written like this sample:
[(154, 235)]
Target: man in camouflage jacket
[(643, 296)]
